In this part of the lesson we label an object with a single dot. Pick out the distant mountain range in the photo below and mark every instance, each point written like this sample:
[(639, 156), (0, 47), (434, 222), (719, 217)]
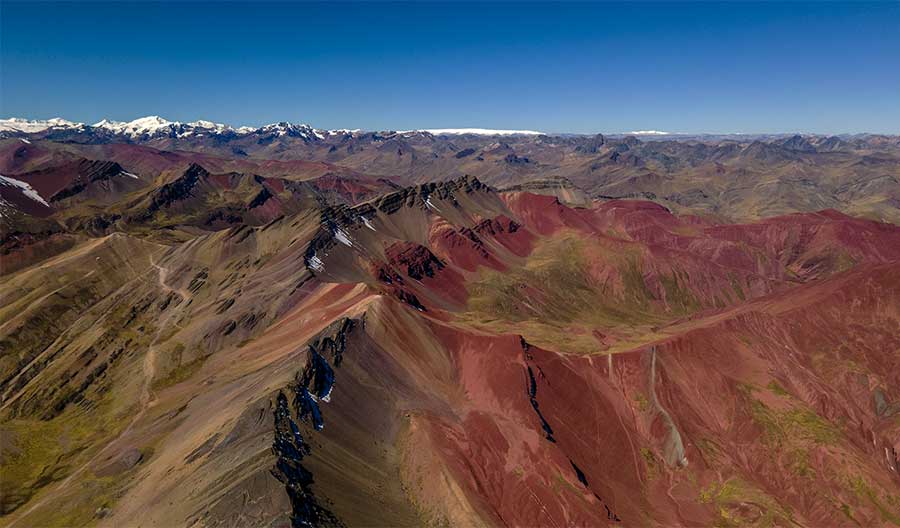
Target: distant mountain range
[(154, 126), (207, 326), (729, 177), (151, 127)]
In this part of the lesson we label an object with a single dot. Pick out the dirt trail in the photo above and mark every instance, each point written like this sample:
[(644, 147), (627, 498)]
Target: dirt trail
[(147, 398)]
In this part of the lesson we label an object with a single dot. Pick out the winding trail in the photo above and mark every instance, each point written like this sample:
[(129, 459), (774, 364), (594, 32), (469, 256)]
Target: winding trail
[(147, 397)]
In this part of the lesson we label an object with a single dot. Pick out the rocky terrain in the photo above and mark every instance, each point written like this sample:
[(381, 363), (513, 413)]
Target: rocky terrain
[(735, 178), (279, 326)]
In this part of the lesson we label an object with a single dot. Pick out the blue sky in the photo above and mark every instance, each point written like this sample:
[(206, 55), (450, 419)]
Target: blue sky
[(702, 67)]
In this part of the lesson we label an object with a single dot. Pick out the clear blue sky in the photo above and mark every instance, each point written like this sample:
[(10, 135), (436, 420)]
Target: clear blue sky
[(826, 67)]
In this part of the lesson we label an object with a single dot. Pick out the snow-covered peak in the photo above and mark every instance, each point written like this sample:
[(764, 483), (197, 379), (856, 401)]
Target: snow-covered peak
[(138, 127), (341, 131), (285, 128), (477, 131), (151, 122), (27, 126), (219, 128)]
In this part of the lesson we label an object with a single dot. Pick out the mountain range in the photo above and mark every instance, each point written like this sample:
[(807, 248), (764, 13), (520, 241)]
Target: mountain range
[(283, 326)]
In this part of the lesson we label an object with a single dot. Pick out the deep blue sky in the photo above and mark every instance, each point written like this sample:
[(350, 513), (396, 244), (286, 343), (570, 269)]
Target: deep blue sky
[(704, 67)]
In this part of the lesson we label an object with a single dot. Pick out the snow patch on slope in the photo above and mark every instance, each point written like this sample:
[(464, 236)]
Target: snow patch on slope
[(341, 236), (316, 263), (27, 190), (431, 205)]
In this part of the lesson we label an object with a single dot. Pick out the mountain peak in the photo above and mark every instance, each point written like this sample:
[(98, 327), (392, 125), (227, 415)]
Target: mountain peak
[(143, 125), (31, 126)]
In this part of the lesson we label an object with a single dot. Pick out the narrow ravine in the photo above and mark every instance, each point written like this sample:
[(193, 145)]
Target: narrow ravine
[(531, 391), (674, 448)]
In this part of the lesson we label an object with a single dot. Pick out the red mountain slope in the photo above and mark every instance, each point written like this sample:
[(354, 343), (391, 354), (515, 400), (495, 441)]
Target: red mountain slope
[(445, 354)]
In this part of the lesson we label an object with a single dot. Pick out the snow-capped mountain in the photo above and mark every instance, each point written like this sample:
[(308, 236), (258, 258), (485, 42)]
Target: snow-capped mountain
[(151, 127), (29, 126), (155, 126), (290, 129)]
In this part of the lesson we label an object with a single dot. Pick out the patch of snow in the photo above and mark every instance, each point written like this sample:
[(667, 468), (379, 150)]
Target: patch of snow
[(130, 175), (368, 223), (343, 237), (316, 263), (27, 190), (648, 133), (477, 131), (23, 140), (431, 205)]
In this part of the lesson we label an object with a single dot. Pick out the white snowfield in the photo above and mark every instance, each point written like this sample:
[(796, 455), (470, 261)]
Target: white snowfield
[(27, 190), (477, 131), (648, 133)]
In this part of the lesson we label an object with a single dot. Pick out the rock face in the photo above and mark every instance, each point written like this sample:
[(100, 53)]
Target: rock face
[(245, 349), (417, 260)]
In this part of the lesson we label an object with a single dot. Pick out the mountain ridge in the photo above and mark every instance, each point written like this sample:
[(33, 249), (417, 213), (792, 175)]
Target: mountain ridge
[(407, 329)]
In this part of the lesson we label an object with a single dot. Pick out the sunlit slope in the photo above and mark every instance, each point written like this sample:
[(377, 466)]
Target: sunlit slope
[(449, 355)]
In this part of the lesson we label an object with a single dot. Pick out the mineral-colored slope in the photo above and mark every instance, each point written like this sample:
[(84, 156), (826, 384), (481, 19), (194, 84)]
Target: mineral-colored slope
[(447, 354)]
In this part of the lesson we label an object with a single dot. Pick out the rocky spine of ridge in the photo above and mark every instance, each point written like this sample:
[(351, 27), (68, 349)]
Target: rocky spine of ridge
[(336, 220), (90, 171), (312, 386), (178, 189)]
